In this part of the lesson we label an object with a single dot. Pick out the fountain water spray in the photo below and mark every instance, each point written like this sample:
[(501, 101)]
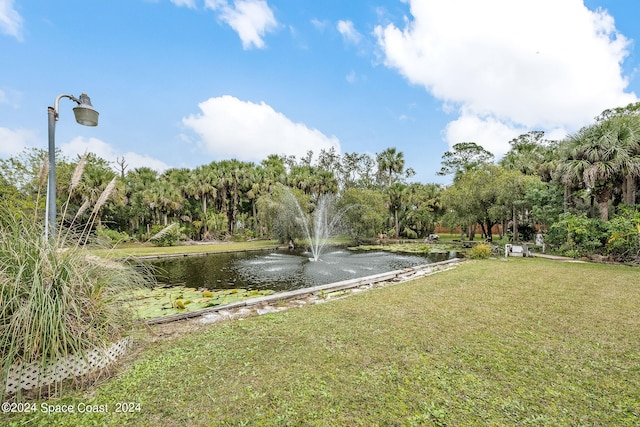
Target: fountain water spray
[(322, 227)]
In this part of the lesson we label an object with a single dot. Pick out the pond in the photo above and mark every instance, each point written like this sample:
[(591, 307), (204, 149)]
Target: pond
[(280, 270)]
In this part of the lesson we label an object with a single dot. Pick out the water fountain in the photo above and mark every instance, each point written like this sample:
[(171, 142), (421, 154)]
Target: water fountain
[(282, 270), (321, 227), (286, 270)]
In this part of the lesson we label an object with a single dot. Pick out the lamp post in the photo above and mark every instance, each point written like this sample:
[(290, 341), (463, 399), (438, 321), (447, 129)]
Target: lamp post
[(85, 115)]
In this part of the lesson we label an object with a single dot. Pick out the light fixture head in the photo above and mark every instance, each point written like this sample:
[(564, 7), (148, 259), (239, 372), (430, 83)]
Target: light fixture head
[(85, 113)]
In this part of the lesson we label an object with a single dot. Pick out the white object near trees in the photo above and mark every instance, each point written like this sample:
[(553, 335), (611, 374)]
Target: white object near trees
[(516, 250)]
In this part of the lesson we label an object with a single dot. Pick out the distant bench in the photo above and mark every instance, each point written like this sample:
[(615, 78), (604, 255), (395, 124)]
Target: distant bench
[(516, 250)]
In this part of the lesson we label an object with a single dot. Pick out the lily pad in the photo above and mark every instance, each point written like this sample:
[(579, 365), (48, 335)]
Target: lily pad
[(163, 301)]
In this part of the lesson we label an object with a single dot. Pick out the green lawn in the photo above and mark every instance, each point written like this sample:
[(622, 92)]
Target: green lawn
[(147, 249), (521, 342)]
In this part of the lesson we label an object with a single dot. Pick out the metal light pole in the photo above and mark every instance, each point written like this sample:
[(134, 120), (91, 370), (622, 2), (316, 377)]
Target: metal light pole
[(85, 115)]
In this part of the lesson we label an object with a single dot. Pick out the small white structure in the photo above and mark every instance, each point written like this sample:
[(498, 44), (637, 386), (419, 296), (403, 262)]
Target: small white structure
[(516, 250), (540, 241)]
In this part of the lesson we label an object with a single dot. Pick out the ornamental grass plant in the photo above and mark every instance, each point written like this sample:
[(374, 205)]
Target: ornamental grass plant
[(55, 298)]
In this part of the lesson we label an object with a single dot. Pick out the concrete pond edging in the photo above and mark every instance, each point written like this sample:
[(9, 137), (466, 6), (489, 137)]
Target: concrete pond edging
[(303, 296)]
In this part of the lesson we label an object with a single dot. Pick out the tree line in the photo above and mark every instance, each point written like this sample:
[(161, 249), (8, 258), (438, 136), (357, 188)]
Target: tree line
[(580, 192), (582, 185), (212, 201)]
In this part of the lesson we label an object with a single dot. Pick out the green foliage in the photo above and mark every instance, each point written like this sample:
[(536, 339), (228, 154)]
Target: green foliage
[(464, 157), (527, 232), (624, 234), (409, 233), (600, 155), (192, 230), (480, 251), (165, 236), (390, 166), (492, 195), (536, 181), (241, 235), (545, 202), (56, 300), (424, 209), (557, 348), (576, 235), (113, 237), (279, 214), (12, 199), (527, 153), (364, 212), (150, 303)]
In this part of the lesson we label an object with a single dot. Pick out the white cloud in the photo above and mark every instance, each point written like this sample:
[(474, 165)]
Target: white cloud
[(10, 20), (77, 147), (348, 31), (318, 24), (231, 128), (492, 134), (12, 142), (191, 4), (510, 66), (251, 19)]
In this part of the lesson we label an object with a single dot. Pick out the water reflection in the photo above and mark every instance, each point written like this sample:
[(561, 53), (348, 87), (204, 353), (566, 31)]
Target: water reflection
[(282, 270)]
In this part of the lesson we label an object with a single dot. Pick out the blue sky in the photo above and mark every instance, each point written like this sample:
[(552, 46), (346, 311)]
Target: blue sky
[(180, 83)]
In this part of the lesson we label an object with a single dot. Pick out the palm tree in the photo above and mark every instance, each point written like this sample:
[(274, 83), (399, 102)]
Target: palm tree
[(390, 164), (236, 171), (136, 181), (301, 177), (397, 194), (602, 155), (203, 184), (275, 171), (254, 186), (95, 177), (223, 177), (164, 198), (245, 176), (629, 135), (324, 182)]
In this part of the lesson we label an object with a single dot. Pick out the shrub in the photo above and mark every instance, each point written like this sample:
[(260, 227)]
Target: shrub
[(527, 232), (624, 235), (409, 233), (55, 300), (480, 251), (165, 236), (242, 235), (113, 237), (577, 235)]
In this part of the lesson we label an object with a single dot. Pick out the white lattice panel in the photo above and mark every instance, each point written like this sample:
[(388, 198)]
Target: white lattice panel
[(32, 375)]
